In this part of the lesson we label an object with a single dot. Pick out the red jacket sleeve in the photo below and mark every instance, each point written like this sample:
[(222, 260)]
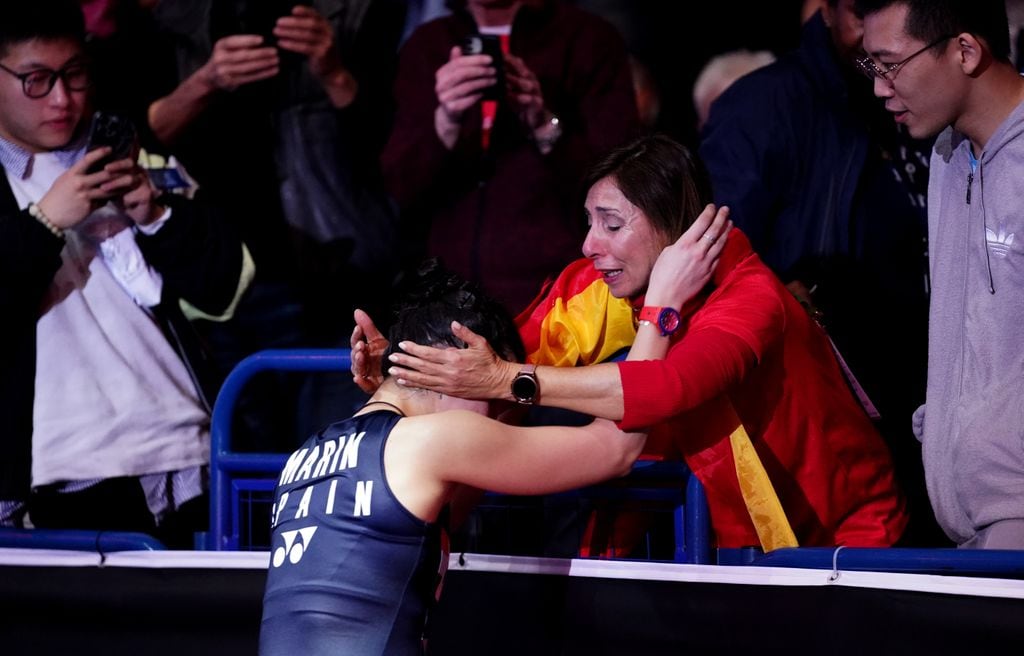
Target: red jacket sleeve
[(723, 341)]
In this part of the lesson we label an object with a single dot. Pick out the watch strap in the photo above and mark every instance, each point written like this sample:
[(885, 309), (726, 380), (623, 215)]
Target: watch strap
[(650, 313)]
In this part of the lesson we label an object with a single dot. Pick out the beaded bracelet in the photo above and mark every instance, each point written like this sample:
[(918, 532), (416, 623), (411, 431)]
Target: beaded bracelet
[(38, 215)]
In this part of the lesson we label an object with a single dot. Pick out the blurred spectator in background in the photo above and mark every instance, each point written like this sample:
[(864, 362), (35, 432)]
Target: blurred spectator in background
[(281, 109), (832, 197), (121, 43), (418, 12), (101, 381), (719, 74), (648, 97), (1015, 16), (490, 184), (810, 8), (674, 40)]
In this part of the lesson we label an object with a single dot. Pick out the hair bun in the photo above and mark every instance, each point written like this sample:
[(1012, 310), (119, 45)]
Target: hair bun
[(433, 283)]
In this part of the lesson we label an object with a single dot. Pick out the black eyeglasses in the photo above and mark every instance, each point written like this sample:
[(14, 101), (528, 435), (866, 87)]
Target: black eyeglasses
[(40, 82), (888, 73)]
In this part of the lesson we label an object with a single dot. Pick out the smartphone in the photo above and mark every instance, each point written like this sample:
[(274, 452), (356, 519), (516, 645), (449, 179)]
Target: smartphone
[(488, 44), (260, 17), (111, 130)]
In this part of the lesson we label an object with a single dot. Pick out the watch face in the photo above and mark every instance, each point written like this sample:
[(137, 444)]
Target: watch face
[(524, 388), (668, 321)]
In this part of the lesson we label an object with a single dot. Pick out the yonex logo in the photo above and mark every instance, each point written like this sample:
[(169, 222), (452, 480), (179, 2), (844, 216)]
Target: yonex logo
[(293, 549)]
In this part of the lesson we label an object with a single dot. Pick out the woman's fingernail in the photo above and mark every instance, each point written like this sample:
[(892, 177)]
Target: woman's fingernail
[(393, 357)]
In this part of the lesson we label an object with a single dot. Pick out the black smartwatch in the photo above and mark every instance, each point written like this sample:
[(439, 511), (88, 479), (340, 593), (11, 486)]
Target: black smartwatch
[(525, 386)]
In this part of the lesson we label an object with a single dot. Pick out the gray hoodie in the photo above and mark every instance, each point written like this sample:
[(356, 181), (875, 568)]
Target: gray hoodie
[(973, 433)]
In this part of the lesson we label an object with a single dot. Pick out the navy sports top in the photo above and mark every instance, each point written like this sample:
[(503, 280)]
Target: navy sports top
[(351, 570)]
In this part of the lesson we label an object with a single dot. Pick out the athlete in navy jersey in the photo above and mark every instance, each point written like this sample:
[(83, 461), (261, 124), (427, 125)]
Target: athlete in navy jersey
[(349, 564), (355, 549)]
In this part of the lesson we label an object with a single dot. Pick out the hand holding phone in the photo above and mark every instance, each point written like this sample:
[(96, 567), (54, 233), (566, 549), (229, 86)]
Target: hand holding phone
[(261, 16), (488, 44), (114, 131)]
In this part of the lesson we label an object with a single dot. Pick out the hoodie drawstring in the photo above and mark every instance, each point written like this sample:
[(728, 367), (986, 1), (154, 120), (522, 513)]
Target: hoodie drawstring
[(975, 165)]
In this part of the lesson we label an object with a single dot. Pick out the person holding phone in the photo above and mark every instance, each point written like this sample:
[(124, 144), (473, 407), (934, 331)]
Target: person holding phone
[(278, 111), (106, 423), (487, 152), (253, 55)]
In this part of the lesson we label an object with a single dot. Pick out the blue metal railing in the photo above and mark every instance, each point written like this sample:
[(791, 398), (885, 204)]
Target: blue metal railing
[(77, 540), (224, 461), (961, 562), (692, 520)]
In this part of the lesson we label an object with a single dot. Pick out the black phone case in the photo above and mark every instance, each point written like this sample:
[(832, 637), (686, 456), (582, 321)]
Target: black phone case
[(488, 44), (261, 16), (114, 131)]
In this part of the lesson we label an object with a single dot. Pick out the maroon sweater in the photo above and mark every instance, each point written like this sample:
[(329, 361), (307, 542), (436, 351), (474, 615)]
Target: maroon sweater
[(511, 217)]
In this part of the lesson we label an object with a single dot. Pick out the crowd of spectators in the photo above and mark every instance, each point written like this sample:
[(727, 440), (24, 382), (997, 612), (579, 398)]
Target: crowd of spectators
[(291, 160)]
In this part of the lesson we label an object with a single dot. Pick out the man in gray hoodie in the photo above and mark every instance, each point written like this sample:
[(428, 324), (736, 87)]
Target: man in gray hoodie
[(943, 66)]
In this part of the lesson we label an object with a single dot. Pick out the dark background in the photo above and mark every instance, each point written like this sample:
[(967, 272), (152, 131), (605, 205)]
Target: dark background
[(674, 39)]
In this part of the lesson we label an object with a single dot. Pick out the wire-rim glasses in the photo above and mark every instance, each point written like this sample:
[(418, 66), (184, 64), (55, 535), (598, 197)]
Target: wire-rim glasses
[(868, 67)]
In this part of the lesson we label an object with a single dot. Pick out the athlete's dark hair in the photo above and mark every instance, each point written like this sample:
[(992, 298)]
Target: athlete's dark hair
[(45, 20), (435, 297), (661, 177), (930, 20)]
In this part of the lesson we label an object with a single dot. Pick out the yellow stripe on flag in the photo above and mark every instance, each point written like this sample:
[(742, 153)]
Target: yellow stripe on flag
[(589, 327), (770, 522)]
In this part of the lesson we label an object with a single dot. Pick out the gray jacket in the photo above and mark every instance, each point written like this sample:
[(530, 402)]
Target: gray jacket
[(973, 430)]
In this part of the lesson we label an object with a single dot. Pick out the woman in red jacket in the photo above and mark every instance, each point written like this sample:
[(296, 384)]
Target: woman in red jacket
[(740, 350)]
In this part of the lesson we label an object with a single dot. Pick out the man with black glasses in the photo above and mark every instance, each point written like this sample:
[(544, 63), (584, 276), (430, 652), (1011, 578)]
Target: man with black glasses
[(101, 412), (943, 66)]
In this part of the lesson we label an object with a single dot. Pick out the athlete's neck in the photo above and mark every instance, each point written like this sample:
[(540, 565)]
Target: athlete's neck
[(409, 402)]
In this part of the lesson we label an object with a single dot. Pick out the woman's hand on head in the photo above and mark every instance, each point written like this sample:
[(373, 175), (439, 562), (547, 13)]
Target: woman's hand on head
[(684, 267), (368, 347), (475, 372)]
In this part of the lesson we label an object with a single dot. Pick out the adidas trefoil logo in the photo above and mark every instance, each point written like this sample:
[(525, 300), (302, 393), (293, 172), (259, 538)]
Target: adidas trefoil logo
[(999, 243)]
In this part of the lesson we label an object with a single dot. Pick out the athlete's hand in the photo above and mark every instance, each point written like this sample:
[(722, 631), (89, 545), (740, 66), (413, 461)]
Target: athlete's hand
[(368, 347)]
